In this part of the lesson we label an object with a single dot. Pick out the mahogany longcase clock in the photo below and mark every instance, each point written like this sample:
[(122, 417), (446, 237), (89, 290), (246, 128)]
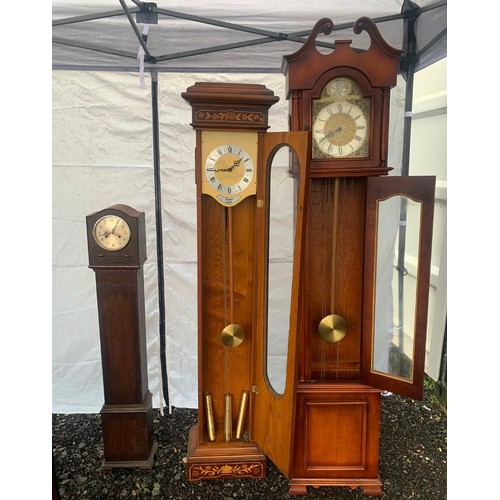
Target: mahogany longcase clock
[(117, 251), (367, 262), (233, 154)]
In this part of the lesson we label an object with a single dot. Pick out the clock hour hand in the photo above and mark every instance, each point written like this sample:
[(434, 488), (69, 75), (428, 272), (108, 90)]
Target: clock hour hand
[(330, 133)]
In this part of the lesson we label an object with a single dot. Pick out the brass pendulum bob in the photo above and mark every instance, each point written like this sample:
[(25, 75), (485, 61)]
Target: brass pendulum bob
[(232, 335), (332, 328)]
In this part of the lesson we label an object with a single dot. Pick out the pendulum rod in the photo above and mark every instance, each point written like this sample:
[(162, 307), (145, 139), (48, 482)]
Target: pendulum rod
[(334, 263), (228, 310), (230, 240), (325, 205), (334, 243)]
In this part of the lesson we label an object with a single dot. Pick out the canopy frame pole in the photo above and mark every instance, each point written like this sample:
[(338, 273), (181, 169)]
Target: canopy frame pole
[(159, 232)]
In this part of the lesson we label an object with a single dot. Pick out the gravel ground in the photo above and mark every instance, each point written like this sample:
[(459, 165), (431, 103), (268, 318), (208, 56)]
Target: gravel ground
[(413, 460)]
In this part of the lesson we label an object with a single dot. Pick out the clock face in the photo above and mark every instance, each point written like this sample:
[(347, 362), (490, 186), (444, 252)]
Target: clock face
[(229, 165), (340, 129), (341, 121), (229, 169), (111, 233)]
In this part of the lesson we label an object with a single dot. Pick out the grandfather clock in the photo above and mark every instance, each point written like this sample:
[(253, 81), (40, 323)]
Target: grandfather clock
[(232, 171), (117, 251), (367, 262)]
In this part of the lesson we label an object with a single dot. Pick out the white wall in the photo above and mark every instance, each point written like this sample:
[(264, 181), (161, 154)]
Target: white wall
[(103, 155), (428, 157)]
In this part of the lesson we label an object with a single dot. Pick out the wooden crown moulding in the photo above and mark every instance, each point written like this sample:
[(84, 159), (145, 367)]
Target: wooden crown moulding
[(230, 105), (380, 61)]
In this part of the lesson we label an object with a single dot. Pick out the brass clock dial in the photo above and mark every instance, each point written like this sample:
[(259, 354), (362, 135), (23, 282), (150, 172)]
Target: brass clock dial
[(229, 165), (341, 121), (111, 233), (229, 169)]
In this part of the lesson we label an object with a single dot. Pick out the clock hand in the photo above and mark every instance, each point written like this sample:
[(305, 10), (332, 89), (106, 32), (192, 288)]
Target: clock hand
[(229, 169), (235, 164), (329, 134), (116, 225), (333, 132)]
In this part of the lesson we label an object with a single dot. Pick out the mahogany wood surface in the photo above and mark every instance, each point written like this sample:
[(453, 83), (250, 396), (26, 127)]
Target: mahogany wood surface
[(123, 339), (422, 189), (375, 70), (127, 413), (328, 283), (226, 286), (337, 436), (238, 221), (273, 414), (338, 400)]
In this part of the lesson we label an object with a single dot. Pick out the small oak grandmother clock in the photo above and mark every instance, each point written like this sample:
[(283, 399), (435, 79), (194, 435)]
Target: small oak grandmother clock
[(232, 165), (367, 262), (117, 251)]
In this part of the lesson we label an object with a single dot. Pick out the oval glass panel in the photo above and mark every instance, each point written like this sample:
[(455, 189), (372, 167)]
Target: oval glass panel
[(280, 247)]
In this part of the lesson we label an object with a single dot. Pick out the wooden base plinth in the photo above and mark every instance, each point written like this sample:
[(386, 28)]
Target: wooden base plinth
[(127, 432), (142, 465), (223, 460), (370, 486), (337, 437)]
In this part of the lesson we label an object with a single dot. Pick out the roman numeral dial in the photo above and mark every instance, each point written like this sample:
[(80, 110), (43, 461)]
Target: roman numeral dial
[(229, 169), (340, 130)]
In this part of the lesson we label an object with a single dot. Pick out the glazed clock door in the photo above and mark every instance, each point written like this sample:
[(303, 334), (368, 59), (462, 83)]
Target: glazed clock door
[(399, 217), (274, 407)]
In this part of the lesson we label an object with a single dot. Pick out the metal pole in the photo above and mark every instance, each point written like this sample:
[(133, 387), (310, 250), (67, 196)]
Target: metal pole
[(159, 235), (409, 71)]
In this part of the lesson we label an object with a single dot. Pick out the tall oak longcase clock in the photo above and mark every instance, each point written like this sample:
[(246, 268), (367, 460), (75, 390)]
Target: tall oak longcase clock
[(366, 268), (232, 160), (117, 251)]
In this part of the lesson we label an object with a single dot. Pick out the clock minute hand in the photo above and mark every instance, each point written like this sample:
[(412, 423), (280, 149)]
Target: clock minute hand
[(333, 132), (235, 164), (229, 169)]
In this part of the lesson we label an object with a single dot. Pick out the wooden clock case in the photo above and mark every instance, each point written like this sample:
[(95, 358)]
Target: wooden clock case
[(127, 413), (337, 412), (231, 255)]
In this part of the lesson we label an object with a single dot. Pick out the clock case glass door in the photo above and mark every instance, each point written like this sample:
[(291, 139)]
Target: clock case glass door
[(354, 396)]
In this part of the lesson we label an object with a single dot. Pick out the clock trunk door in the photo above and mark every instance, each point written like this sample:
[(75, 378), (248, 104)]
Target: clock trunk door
[(399, 217), (273, 398)]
